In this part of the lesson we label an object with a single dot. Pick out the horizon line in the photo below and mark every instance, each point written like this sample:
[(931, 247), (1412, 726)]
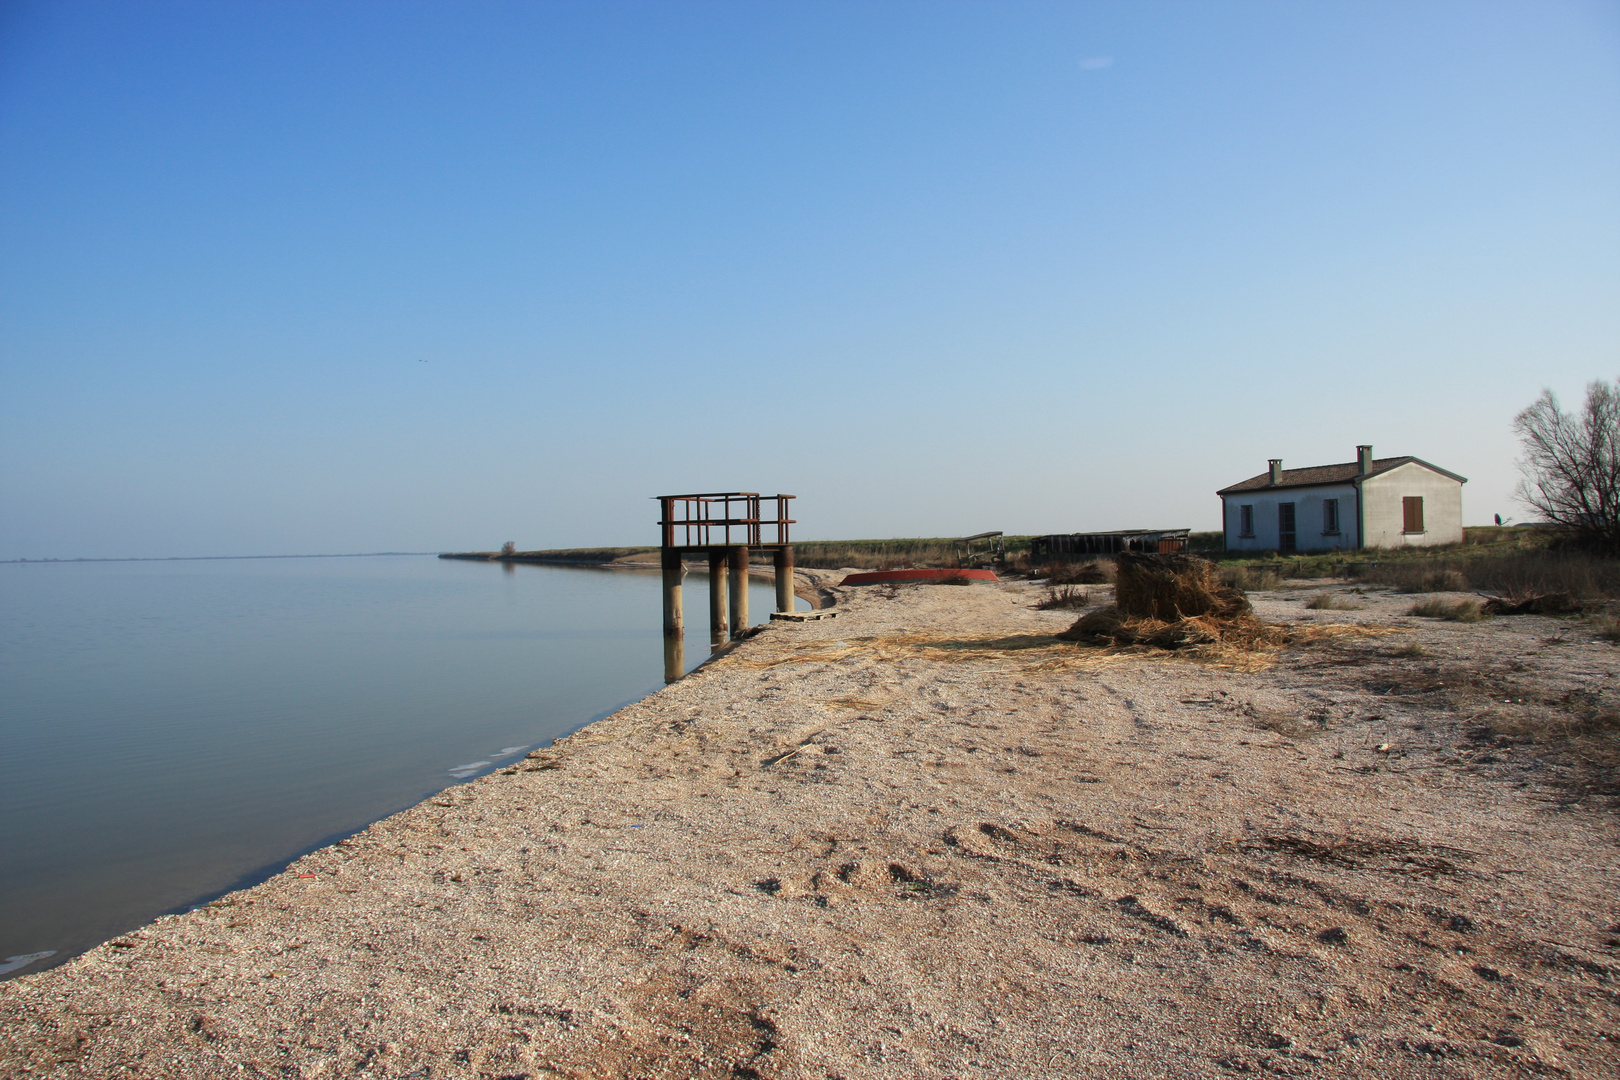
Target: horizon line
[(202, 558)]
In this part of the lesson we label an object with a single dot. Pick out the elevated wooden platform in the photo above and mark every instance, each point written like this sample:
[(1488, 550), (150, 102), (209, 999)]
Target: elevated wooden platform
[(724, 526)]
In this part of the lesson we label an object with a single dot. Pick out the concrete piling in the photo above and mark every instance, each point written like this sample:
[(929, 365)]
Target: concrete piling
[(674, 617), (737, 556), (784, 579), (719, 606)]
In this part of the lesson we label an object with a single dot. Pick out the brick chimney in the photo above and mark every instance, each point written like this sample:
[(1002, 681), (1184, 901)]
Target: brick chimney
[(1276, 470), (1363, 460)]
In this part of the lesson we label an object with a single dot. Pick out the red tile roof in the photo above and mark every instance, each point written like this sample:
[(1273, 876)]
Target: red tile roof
[(1330, 474)]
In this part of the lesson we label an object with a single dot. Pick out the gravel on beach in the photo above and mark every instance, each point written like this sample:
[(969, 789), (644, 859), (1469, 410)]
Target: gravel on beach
[(924, 839)]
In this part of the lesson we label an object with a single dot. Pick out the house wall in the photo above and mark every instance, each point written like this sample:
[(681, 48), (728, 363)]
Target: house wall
[(1307, 517), (1442, 507)]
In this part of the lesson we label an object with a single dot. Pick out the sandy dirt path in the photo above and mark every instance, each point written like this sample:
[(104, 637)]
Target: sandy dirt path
[(923, 840)]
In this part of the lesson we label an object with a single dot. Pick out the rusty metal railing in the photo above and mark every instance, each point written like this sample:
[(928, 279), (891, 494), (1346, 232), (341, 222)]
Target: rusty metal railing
[(723, 519)]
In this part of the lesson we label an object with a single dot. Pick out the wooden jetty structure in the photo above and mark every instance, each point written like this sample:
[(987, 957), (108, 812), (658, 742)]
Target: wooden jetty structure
[(726, 527), (980, 549)]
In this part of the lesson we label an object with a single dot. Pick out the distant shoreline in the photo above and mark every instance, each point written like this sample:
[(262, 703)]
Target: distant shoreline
[(755, 569), (592, 559), (215, 558)]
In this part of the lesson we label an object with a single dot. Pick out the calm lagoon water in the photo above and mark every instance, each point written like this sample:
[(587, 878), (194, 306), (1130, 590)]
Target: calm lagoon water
[(173, 730)]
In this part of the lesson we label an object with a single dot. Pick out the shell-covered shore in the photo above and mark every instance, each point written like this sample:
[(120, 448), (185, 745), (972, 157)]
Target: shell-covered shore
[(929, 839)]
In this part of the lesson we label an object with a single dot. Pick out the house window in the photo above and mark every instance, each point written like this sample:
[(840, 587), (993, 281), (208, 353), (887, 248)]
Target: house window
[(1412, 514), (1330, 517), (1246, 521)]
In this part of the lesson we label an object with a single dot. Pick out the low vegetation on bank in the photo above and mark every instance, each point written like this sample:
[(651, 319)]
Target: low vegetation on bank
[(1468, 610), (889, 554), (1516, 563), (812, 554), (1526, 567)]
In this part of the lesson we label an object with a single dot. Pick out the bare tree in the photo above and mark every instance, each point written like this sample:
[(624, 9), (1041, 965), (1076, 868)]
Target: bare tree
[(1571, 464)]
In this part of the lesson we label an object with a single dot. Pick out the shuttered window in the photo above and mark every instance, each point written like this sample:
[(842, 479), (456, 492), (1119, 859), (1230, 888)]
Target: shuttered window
[(1412, 514), (1245, 520), (1330, 517)]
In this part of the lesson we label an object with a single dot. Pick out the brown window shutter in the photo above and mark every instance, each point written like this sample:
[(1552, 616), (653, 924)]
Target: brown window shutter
[(1412, 513)]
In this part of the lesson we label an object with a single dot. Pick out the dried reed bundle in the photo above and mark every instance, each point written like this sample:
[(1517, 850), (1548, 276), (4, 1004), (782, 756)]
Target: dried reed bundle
[(1171, 588), (1173, 602), (1176, 603), (1108, 626)]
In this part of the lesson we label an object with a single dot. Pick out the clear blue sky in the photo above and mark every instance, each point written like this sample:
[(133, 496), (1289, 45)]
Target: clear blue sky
[(309, 277)]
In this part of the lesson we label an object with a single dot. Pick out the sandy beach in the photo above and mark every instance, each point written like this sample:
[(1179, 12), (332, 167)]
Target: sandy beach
[(924, 839)]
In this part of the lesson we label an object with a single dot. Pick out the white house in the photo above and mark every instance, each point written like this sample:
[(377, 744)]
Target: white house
[(1369, 502)]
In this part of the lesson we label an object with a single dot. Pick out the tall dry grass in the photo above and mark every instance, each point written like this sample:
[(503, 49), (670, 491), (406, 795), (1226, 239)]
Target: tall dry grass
[(1518, 574), (893, 554), (1464, 611), (1416, 577), (874, 554), (1065, 596), (1249, 578)]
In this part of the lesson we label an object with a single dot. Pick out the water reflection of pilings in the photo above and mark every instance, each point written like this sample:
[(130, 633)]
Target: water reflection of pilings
[(728, 601), (674, 657)]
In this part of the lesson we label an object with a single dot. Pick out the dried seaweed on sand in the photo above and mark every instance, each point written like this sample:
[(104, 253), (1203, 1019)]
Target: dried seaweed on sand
[(1031, 651), (1045, 652), (1169, 607), (1389, 854)]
